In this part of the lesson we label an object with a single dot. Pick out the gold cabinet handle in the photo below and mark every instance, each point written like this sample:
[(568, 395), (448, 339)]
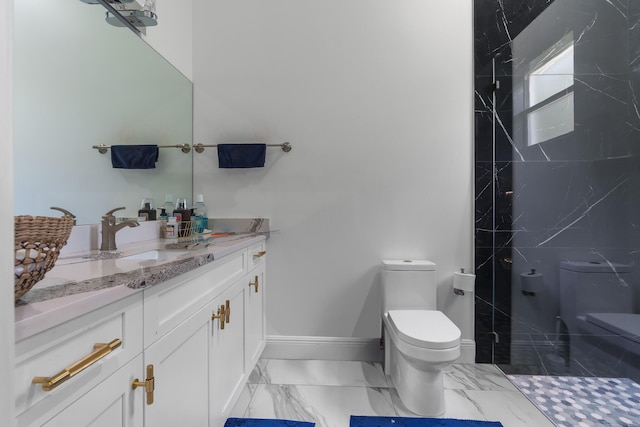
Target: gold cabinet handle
[(221, 315), (260, 254), (101, 350), (254, 283), (149, 384), (228, 311)]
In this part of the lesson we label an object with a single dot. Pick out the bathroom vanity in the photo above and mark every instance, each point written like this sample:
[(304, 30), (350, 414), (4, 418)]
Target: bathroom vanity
[(157, 338)]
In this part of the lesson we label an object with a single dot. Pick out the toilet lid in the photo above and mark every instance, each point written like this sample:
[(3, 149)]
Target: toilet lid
[(425, 328), (623, 324)]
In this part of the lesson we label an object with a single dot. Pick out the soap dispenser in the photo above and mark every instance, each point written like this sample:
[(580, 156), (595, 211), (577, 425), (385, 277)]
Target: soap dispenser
[(146, 210)]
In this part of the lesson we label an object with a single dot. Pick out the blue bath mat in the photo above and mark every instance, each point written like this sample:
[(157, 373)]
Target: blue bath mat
[(257, 422), (357, 421)]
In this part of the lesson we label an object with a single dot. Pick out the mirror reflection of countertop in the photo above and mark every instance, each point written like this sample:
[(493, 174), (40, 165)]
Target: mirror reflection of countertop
[(80, 283)]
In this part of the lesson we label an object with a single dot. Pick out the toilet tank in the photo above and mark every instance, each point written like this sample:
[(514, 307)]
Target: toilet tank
[(594, 287), (408, 284)]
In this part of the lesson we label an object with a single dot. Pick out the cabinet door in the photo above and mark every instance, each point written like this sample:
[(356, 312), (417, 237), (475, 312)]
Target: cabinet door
[(254, 316), (112, 403), (227, 354), (180, 361)]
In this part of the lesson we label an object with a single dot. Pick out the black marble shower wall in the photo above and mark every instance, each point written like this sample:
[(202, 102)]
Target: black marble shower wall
[(573, 197)]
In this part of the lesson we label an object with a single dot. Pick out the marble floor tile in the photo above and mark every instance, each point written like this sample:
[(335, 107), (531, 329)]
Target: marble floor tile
[(329, 392), (327, 406), (242, 404), (512, 409), (258, 372), (324, 372), (457, 403), (476, 377), (509, 407)]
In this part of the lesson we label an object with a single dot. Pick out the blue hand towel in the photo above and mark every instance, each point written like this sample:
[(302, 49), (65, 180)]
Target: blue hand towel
[(257, 422), (241, 155), (134, 156)]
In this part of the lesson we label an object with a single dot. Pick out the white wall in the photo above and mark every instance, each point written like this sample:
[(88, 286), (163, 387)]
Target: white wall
[(6, 214), (376, 98)]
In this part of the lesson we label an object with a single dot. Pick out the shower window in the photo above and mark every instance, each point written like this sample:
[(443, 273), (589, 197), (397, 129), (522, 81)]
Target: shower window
[(549, 94)]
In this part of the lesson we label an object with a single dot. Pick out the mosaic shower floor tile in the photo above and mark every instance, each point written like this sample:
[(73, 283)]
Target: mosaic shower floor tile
[(583, 401)]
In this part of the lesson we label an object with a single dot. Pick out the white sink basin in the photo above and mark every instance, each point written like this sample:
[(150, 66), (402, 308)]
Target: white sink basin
[(156, 255)]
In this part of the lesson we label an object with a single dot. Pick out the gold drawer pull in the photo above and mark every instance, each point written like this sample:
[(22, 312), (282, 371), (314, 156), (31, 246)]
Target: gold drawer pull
[(227, 311), (149, 384), (254, 283), (101, 350), (260, 254), (221, 315)]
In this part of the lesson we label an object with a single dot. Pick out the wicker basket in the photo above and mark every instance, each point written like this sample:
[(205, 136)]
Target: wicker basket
[(38, 241)]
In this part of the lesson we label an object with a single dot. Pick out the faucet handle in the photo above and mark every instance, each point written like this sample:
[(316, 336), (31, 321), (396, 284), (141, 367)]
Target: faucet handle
[(110, 213)]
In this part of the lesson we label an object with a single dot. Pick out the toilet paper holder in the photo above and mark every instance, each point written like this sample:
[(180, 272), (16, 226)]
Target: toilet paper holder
[(463, 282)]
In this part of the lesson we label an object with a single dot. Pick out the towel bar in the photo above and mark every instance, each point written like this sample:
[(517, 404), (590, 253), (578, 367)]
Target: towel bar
[(185, 148), (286, 147)]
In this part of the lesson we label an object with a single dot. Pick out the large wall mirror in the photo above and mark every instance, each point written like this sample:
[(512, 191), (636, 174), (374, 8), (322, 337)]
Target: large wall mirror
[(80, 82)]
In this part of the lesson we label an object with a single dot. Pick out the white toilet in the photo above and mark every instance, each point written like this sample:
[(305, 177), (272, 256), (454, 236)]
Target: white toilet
[(419, 341)]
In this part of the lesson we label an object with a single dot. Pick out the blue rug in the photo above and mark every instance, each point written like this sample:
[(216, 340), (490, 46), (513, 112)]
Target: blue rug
[(357, 421), (257, 422)]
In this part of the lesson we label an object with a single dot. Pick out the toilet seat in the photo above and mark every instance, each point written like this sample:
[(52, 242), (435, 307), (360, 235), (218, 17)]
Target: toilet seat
[(429, 329)]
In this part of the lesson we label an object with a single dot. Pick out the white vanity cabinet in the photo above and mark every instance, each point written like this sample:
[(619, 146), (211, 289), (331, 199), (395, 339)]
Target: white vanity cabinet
[(112, 403), (255, 289), (77, 350), (227, 352), (184, 348), (236, 347), (180, 361), (188, 344)]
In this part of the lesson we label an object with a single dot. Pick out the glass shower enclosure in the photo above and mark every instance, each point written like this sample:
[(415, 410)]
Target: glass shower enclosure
[(557, 140)]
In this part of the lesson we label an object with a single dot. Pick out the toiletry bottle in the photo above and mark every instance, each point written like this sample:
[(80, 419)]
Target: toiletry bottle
[(171, 228), (146, 210), (183, 216), (201, 213)]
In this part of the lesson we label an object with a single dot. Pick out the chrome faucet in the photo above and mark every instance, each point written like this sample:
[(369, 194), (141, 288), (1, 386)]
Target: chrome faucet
[(110, 228)]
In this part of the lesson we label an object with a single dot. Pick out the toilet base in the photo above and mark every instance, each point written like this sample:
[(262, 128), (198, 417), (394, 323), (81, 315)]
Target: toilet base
[(421, 391)]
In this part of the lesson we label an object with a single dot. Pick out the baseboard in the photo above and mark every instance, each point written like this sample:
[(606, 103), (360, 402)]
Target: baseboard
[(467, 351), (322, 348), (340, 348)]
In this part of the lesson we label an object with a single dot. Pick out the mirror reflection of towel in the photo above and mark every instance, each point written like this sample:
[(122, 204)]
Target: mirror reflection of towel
[(134, 156), (241, 155)]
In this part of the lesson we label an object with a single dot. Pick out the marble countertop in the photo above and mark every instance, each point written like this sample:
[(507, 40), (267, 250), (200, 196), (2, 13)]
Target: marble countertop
[(83, 282)]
